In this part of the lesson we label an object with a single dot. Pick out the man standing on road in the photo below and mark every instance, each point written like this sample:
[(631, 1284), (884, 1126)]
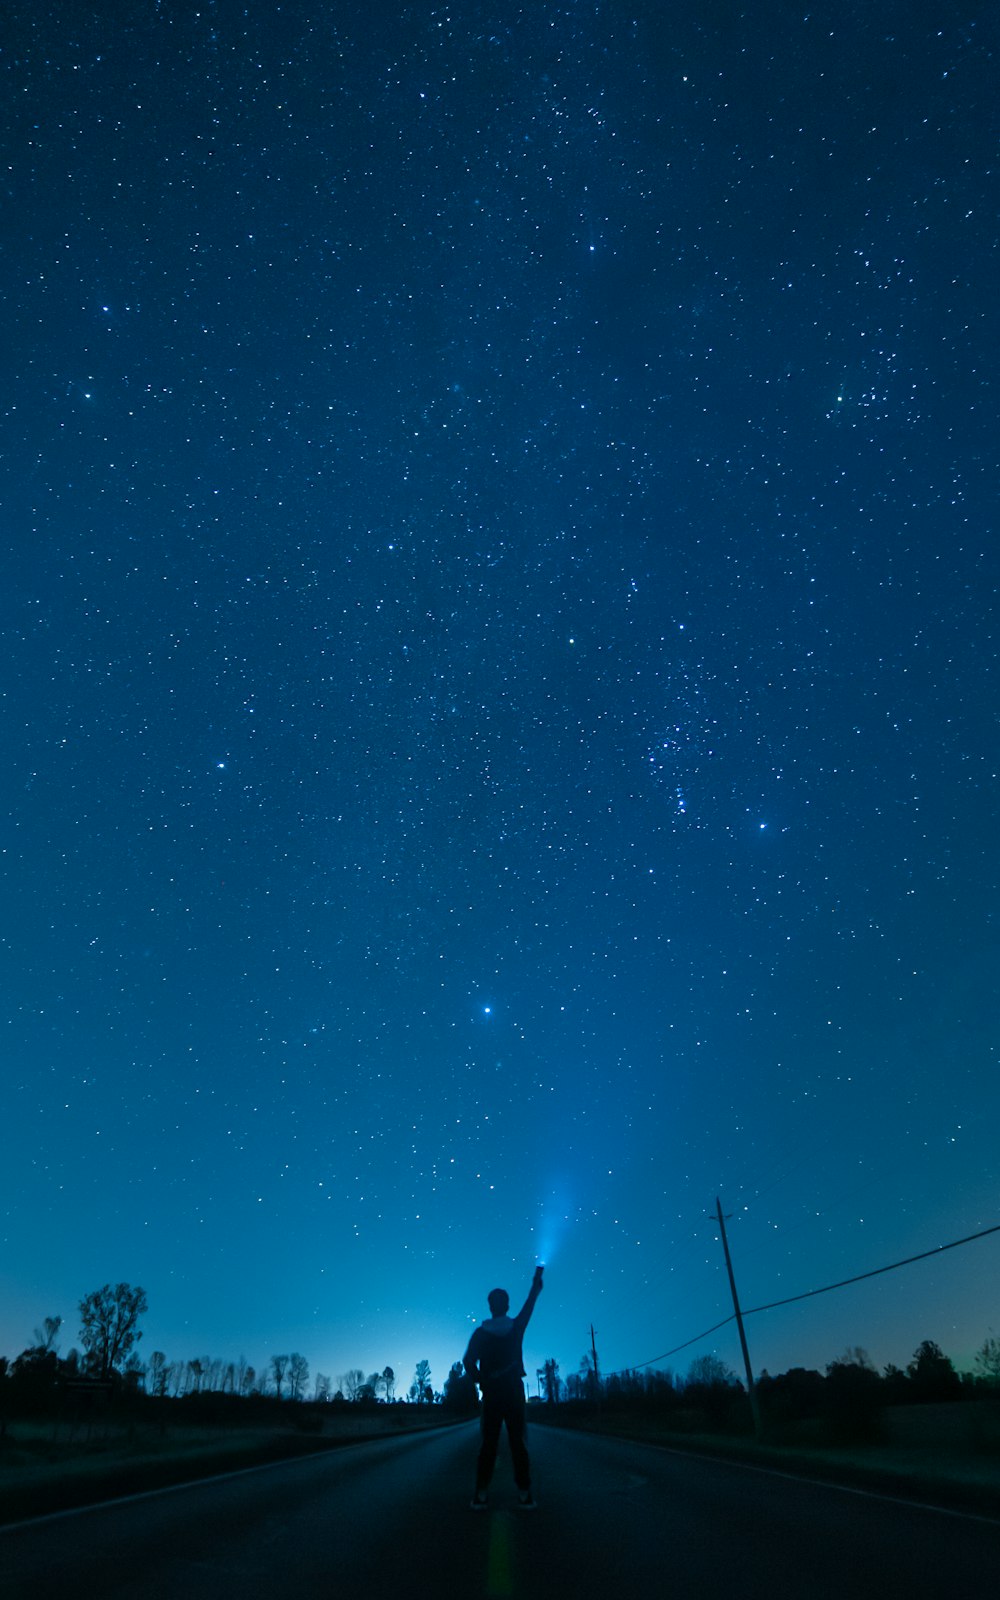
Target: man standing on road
[(494, 1360)]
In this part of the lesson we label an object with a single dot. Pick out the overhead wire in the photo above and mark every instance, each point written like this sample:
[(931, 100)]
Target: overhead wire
[(772, 1305), (875, 1272)]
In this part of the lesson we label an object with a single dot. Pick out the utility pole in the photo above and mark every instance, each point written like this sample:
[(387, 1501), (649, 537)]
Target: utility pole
[(597, 1375), (751, 1389)]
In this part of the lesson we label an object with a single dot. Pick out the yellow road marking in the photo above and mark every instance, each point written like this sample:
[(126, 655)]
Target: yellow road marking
[(499, 1579)]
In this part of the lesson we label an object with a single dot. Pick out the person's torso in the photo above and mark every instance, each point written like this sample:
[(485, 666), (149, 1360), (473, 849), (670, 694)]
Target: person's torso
[(500, 1351)]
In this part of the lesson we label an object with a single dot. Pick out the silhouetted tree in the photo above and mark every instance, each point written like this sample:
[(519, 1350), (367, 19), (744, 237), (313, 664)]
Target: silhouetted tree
[(134, 1372), (31, 1385), (45, 1337), (931, 1373), (792, 1395), (588, 1376), (158, 1373), (576, 1386), (279, 1366), (712, 1389), (352, 1383), (389, 1380), (550, 1379), (110, 1326), (322, 1389), (33, 1374), (895, 1385), (460, 1393), (988, 1360), (298, 1376), (708, 1371), (422, 1381), (854, 1397)]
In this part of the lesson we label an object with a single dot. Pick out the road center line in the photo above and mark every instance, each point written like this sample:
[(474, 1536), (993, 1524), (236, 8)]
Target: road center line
[(499, 1580)]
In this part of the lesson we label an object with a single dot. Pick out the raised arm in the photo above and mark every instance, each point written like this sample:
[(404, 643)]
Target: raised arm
[(524, 1315)]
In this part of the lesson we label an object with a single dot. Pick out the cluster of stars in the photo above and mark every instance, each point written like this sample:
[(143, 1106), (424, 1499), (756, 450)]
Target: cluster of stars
[(499, 526)]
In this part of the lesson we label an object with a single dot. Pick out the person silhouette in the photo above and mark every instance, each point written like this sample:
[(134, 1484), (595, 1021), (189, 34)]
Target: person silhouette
[(495, 1362)]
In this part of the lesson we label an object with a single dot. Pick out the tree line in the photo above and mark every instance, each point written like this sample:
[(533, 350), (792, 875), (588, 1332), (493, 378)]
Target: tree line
[(110, 1333), (108, 1358), (848, 1398)]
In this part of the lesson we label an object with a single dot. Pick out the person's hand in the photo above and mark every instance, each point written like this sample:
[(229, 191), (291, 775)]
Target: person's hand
[(537, 1281)]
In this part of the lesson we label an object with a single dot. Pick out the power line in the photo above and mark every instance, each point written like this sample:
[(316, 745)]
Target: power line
[(874, 1272), (809, 1293), (652, 1361)]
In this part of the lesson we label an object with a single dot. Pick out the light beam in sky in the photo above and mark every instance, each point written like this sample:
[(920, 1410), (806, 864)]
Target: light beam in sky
[(553, 1222)]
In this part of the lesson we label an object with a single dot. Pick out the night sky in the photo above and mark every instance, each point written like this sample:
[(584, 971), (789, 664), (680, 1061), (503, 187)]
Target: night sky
[(498, 703)]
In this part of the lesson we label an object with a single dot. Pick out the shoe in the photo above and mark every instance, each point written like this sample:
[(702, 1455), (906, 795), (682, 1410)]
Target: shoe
[(479, 1502), (526, 1500)]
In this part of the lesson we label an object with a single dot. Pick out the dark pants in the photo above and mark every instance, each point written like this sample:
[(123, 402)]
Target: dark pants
[(503, 1405)]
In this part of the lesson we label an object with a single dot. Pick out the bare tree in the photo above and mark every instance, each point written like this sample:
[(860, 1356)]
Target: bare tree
[(45, 1337), (210, 1369), (110, 1325), (323, 1386), (389, 1381), (298, 1376), (158, 1371), (587, 1375), (352, 1383), (988, 1360), (422, 1381), (710, 1370), (134, 1371), (279, 1365)]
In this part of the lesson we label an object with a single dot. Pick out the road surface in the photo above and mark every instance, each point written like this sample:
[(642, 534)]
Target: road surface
[(614, 1521)]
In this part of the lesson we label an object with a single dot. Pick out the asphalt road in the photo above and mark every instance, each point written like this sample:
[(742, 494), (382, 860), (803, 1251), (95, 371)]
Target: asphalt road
[(614, 1521)]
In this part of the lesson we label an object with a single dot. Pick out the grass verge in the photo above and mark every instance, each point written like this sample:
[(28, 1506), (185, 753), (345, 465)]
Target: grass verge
[(40, 1474), (953, 1480)]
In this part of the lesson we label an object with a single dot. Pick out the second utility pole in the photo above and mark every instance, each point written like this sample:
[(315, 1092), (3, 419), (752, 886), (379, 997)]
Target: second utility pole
[(751, 1390)]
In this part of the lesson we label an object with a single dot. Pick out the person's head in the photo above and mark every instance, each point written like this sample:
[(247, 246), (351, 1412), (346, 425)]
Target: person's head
[(499, 1301)]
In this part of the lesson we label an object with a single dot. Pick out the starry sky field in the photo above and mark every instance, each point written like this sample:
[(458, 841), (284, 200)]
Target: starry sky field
[(499, 694)]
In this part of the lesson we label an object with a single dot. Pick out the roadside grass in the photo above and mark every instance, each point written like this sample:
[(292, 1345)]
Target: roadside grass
[(954, 1477), (45, 1468)]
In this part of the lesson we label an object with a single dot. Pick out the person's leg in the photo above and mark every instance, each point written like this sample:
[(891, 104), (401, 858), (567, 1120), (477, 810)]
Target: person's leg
[(490, 1424), (517, 1428)]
